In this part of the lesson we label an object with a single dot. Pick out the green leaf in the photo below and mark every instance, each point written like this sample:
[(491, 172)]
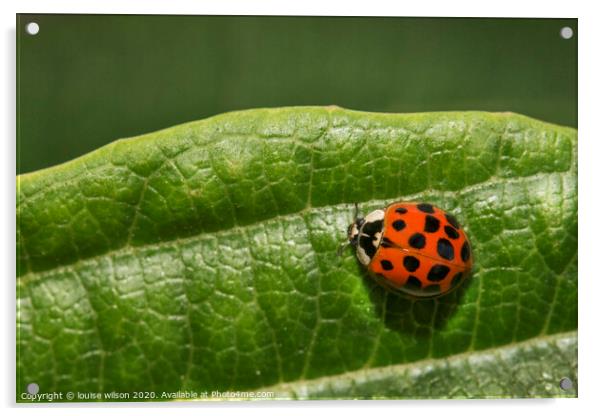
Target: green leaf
[(203, 258)]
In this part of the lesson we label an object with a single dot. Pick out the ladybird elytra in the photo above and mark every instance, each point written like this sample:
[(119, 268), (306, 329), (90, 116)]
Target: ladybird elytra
[(415, 248)]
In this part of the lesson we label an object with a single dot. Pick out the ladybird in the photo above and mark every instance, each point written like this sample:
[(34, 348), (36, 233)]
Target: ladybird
[(414, 248)]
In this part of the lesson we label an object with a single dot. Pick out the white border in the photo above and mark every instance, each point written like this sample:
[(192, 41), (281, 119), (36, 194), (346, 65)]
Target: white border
[(590, 203)]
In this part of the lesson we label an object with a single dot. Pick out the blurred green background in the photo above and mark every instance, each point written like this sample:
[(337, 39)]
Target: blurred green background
[(86, 80)]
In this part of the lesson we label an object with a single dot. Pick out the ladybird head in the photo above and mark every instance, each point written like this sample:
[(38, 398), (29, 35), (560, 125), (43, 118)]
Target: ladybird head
[(353, 232)]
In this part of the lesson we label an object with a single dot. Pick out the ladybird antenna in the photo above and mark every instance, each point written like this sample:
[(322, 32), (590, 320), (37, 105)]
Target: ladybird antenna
[(356, 211)]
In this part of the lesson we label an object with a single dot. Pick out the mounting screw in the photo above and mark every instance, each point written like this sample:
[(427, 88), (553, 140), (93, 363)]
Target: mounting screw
[(566, 383), (566, 32), (32, 28), (33, 388)]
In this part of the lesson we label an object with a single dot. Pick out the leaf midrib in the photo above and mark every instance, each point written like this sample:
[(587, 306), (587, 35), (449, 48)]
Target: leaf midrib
[(30, 276)]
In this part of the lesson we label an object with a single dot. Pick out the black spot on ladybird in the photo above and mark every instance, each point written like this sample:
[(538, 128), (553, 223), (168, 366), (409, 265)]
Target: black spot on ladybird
[(452, 220), (451, 232), (437, 273), (413, 283), (401, 210), (399, 225), (417, 240), (445, 249), (465, 252), (456, 279), (411, 263), (431, 224), (428, 208), (386, 265)]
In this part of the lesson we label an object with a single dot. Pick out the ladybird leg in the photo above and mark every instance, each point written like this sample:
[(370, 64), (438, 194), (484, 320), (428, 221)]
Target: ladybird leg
[(342, 247)]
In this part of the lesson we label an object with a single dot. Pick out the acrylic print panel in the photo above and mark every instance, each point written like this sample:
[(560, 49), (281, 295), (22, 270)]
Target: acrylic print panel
[(302, 208)]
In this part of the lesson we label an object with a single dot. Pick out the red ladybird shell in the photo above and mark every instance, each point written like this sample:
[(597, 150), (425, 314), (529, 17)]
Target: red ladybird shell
[(424, 252)]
